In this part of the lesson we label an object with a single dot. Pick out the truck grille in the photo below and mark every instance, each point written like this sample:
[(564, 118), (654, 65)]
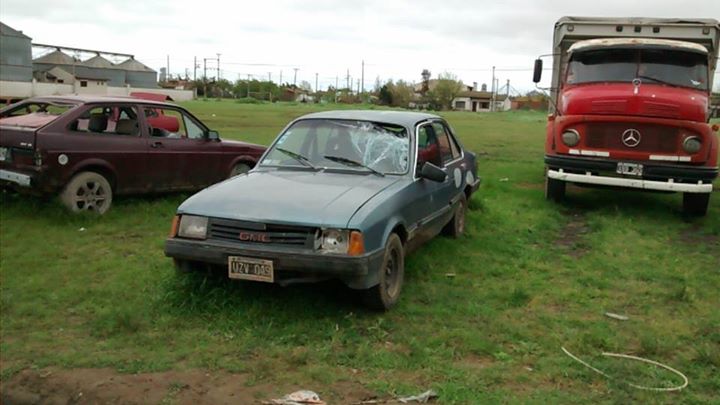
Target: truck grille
[(260, 233), (654, 138)]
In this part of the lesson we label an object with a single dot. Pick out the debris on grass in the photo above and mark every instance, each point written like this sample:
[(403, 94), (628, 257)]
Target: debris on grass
[(630, 357), (616, 316), (302, 397), (81, 229), (450, 275), (421, 398), (504, 179)]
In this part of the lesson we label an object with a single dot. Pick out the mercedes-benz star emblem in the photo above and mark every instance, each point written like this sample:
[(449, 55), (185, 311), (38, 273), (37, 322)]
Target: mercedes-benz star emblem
[(631, 138)]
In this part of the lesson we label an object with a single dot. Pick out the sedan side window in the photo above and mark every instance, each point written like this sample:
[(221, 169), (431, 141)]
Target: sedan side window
[(428, 147), (194, 131), (448, 150), (108, 120)]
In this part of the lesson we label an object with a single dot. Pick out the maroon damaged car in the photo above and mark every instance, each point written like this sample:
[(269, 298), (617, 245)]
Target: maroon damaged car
[(89, 149)]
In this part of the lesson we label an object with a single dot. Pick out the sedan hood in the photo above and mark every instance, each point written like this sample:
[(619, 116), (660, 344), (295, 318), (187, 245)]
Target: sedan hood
[(325, 199)]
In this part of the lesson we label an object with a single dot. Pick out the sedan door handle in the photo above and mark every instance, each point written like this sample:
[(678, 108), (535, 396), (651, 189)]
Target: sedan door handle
[(156, 144)]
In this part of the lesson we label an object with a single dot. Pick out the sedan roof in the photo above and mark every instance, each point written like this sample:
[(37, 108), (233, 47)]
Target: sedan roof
[(90, 99), (403, 118)]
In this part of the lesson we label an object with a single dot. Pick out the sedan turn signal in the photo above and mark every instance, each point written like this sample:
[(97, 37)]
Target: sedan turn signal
[(357, 246), (174, 226)]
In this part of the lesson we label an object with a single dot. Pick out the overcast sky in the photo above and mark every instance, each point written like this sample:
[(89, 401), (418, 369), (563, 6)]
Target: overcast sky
[(396, 38)]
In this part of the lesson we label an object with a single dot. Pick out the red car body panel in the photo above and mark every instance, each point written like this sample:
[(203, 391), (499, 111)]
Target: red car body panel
[(132, 164)]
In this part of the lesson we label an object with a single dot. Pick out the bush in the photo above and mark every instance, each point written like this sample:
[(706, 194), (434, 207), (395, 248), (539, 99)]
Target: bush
[(249, 100)]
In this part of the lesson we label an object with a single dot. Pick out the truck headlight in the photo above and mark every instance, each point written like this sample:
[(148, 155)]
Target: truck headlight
[(571, 137), (341, 241), (193, 227), (692, 144)]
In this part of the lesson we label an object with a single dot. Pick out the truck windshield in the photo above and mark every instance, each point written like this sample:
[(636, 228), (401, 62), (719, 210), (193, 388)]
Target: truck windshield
[(669, 67)]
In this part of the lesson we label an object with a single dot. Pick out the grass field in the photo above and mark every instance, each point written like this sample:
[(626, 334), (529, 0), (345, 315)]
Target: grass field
[(530, 277)]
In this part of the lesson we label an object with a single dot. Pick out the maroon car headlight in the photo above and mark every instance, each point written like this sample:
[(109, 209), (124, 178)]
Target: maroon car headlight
[(193, 227)]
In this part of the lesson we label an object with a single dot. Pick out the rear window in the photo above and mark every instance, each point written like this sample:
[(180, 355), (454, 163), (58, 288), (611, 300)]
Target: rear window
[(33, 114)]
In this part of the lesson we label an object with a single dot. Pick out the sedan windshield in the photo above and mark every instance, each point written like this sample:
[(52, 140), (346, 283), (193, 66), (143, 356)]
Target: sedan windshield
[(361, 146), (663, 66)]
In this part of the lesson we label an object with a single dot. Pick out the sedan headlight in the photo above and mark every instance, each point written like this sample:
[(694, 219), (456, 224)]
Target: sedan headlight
[(571, 137), (692, 144), (341, 241), (193, 227)]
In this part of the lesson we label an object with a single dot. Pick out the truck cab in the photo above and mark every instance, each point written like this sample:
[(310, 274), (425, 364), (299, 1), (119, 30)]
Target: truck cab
[(631, 107)]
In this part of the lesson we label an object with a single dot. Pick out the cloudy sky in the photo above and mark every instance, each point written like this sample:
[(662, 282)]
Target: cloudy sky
[(395, 38)]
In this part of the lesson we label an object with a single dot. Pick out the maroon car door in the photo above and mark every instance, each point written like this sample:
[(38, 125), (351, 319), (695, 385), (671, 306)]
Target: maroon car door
[(180, 156), (103, 137)]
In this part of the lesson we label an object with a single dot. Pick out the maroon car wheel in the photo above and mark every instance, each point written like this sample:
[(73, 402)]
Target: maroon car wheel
[(238, 169), (87, 192)]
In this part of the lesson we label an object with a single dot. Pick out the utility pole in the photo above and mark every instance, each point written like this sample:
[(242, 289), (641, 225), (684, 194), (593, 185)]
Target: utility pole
[(248, 89), (358, 86), (295, 76), (168, 68), (507, 92), (492, 98), (362, 76), (348, 80), (195, 66), (281, 77), (336, 89), (205, 77), (218, 64), (270, 77), (316, 83)]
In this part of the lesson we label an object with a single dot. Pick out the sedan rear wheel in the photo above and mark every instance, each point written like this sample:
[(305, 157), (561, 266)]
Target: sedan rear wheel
[(391, 274), (87, 192)]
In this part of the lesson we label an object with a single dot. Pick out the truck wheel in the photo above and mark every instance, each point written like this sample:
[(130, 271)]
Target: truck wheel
[(87, 191), (554, 189), (391, 273), (456, 227), (696, 204), (238, 169)]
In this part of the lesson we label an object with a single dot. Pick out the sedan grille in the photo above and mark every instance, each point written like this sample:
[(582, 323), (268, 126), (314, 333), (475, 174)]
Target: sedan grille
[(654, 138), (260, 233)]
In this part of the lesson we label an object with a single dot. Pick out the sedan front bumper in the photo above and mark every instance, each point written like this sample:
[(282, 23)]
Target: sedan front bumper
[(291, 265)]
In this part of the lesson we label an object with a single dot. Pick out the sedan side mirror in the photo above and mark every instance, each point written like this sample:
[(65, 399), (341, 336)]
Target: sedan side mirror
[(213, 135), (431, 172), (537, 71)]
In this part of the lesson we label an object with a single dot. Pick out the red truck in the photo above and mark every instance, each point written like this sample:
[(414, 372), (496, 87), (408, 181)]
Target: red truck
[(631, 107)]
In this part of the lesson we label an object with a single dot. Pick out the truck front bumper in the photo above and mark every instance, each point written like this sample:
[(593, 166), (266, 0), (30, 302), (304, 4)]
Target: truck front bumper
[(656, 176), (290, 265)]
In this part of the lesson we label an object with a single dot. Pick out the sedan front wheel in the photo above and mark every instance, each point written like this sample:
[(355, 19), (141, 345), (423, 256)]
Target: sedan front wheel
[(391, 274)]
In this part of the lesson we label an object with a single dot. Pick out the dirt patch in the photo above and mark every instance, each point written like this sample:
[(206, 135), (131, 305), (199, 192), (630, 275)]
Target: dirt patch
[(530, 186), (696, 237), (571, 237), (100, 386)]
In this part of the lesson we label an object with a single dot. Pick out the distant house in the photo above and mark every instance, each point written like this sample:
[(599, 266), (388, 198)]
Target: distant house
[(472, 100), (529, 103)]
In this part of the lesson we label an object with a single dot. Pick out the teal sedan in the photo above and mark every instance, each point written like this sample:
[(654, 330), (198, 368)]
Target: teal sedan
[(338, 195)]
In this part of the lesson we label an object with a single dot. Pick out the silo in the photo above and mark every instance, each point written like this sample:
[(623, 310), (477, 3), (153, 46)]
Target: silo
[(15, 55), (53, 59), (138, 75), (98, 67)]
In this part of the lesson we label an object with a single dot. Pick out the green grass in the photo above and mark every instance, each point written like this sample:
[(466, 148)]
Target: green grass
[(530, 276)]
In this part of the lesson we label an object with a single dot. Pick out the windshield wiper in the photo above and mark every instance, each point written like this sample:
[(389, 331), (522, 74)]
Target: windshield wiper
[(351, 162), (300, 158), (658, 80)]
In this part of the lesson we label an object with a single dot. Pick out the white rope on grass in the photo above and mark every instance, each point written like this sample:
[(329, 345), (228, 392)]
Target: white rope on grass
[(630, 357)]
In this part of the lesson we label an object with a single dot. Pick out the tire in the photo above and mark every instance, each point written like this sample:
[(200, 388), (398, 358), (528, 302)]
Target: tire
[(554, 189), (391, 274), (456, 227), (238, 169), (87, 192), (696, 204)]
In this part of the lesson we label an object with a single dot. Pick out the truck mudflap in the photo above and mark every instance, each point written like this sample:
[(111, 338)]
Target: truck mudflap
[(669, 185)]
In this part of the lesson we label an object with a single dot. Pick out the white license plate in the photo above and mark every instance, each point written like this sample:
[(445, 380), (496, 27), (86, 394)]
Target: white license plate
[(630, 169), (248, 268)]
